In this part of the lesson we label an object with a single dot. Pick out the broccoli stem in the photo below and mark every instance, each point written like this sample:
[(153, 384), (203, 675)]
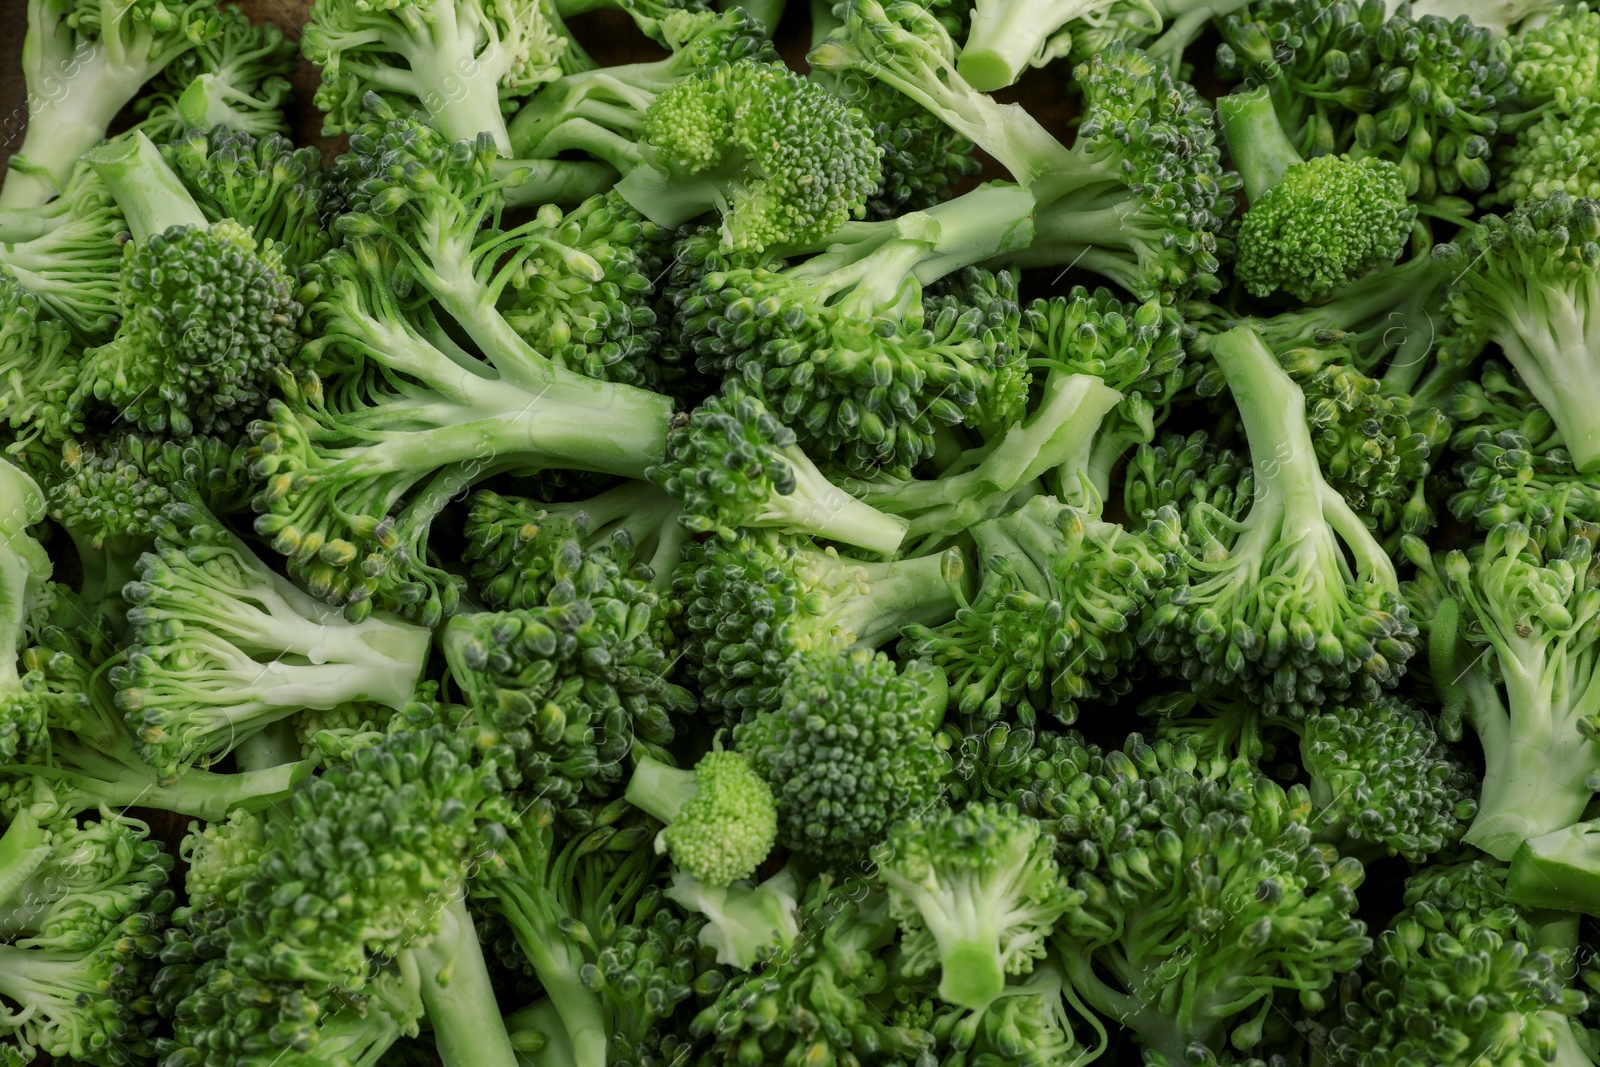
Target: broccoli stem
[(555, 181), (558, 965), (766, 12), (1260, 148), (468, 1030), (926, 590), (659, 790), (97, 779), (1006, 35), (1553, 341), (1536, 764), (52, 984), (1559, 870), (152, 197), (271, 746), (825, 510)]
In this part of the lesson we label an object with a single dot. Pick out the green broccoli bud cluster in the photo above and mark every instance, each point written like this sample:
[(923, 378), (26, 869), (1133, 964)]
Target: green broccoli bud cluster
[(720, 818), (849, 751)]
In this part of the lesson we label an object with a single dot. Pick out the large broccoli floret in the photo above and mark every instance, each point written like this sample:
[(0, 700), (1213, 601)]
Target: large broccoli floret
[(1205, 898), (283, 194), (1271, 603), (852, 351), (82, 907), (1530, 282), (851, 750), (565, 696), (1140, 197), (84, 61), (222, 646), (733, 465), (454, 62), (208, 312), (355, 468), (719, 819), (1526, 607), (751, 604), (1055, 622), (236, 80), (1459, 978), (1313, 225), (976, 893)]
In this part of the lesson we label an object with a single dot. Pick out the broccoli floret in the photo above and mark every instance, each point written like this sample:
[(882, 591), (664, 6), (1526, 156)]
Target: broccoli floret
[(1459, 978), (1140, 197), (1530, 282), (38, 369), (565, 695), (454, 62), (82, 908), (1557, 153), (84, 61), (222, 646), (520, 549), (354, 469), (1313, 225), (208, 312), (584, 291), (1525, 607), (72, 267), (1055, 621), (749, 605), (851, 749), (1153, 840), (1271, 603), (733, 465), (1515, 467), (719, 820), (1556, 65), (1186, 472), (236, 80), (850, 350), (744, 923), (283, 194), (976, 893), (781, 157)]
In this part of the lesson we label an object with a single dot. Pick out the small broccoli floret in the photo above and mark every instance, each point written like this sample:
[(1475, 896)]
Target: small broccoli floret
[(850, 349), (1139, 197), (1459, 978), (851, 750), (454, 62), (520, 549), (1557, 153), (1186, 472), (1270, 602), (564, 695), (1055, 621), (208, 313), (222, 646), (84, 61), (583, 292), (283, 194), (749, 605), (1527, 607), (1152, 838), (733, 464), (781, 157), (1313, 225), (1558, 62), (976, 893), (1530, 282), (720, 819), (236, 80), (38, 369)]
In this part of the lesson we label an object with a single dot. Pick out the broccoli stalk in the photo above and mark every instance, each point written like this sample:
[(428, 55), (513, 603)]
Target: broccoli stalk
[(84, 60), (1315, 225), (1531, 283), (1559, 870), (1281, 610)]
